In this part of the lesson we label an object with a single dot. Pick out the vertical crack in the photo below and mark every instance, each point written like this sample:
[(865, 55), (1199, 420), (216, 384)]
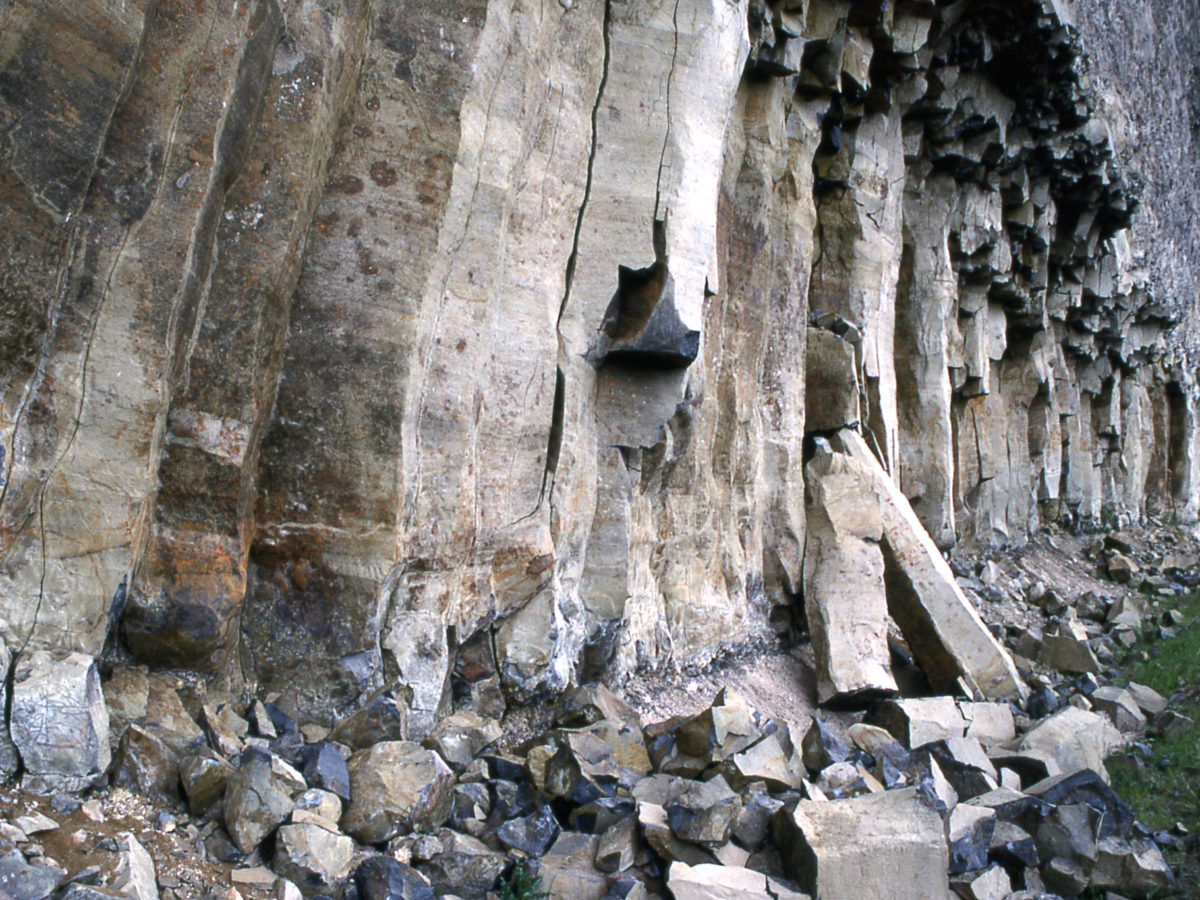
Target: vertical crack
[(554, 441), (591, 163), (662, 156)]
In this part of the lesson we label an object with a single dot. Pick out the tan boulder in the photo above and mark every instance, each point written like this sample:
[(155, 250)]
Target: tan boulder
[(1070, 740), (712, 882), (1067, 649), (878, 845), (914, 721), (396, 787)]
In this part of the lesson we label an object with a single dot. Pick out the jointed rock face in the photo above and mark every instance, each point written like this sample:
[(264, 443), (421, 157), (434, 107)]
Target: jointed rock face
[(466, 346)]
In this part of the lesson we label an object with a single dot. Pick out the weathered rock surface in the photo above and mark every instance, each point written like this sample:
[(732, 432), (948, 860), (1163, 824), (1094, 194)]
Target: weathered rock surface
[(312, 856), (339, 351), (258, 797), (946, 633), (709, 882), (1070, 740)]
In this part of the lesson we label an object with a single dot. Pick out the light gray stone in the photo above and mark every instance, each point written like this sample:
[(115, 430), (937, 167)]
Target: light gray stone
[(843, 581), (948, 637), (134, 877), (59, 721), (312, 856)]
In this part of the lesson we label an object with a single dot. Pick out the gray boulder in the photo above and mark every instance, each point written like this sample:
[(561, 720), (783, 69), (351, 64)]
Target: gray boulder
[(59, 722)]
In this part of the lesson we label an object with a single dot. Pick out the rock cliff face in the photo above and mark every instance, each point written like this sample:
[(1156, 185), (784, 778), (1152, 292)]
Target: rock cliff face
[(467, 343)]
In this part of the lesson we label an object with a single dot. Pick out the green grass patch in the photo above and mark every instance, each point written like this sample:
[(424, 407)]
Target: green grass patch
[(1163, 786)]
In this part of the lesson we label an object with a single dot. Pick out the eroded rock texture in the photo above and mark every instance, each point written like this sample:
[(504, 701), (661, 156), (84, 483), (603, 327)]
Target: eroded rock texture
[(465, 343)]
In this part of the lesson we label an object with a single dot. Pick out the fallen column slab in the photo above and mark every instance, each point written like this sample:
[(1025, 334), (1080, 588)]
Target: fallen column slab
[(879, 845), (844, 593), (946, 635)]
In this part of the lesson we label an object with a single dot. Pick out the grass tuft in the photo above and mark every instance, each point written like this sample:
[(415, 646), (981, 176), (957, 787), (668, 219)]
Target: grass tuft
[(1163, 785)]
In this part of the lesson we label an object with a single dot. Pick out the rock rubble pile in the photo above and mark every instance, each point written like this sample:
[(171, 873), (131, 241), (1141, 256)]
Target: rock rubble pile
[(918, 794)]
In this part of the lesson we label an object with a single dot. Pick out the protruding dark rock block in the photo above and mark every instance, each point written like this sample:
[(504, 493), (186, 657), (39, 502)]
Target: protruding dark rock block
[(642, 328)]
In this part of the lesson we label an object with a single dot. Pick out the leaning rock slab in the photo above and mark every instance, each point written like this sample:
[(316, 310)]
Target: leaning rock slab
[(879, 845), (843, 581), (59, 721), (945, 632), (396, 787)]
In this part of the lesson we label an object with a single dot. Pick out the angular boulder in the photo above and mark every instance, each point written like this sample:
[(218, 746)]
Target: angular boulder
[(134, 877), (146, 765), (1070, 740), (396, 787), (1135, 868), (914, 721), (462, 866), (383, 878), (59, 722), (312, 856), (1121, 707), (878, 845), (382, 717), (712, 882), (1067, 649), (258, 797), (204, 777), (461, 736), (568, 868)]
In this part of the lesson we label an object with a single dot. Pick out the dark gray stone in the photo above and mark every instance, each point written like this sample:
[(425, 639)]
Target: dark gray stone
[(382, 878), (21, 881), (532, 834), (324, 768)]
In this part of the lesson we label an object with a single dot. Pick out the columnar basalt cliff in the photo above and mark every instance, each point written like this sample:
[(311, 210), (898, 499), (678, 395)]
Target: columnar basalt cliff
[(468, 343)]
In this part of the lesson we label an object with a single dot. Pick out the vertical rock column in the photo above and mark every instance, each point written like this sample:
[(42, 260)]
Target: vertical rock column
[(843, 581), (479, 426), (186, 596), (660, 122), (329, 489), (89, 433), (925, 302), (862, 188)]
